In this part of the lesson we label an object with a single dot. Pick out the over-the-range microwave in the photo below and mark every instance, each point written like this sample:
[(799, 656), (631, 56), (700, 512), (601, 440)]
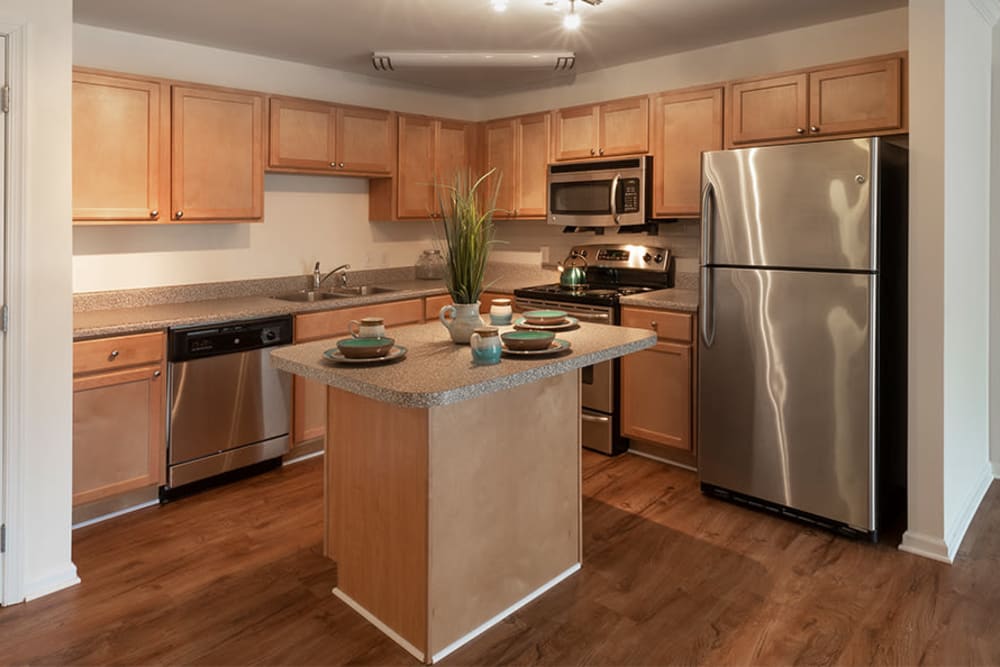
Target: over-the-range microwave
[(601, 193)]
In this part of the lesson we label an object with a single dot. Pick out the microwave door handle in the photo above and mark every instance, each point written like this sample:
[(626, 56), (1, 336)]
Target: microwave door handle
[(614, 199)]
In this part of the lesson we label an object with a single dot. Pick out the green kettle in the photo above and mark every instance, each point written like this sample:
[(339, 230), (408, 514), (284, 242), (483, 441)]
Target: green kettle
[(573, 275)]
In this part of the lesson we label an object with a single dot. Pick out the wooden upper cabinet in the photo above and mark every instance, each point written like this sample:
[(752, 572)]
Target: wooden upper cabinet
[(121, 149), (623, 127), (303, 135), (769, 109), (685, 124), (534, 139), (218, 155), (619, 127), (415, 175), (576, 132), (500, 150), (453, 152), (856, 98), (365, 140)]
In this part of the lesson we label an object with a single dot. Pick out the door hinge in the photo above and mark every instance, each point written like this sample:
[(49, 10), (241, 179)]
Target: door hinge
[(4, 317), (3, 538), (5, 98)]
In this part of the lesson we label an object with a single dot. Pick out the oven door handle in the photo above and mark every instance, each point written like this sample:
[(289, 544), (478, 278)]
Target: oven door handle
[(614, 199), (591, 317), (596, 420)]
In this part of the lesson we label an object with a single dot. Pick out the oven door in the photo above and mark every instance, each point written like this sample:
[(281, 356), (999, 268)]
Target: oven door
[(579, 197)]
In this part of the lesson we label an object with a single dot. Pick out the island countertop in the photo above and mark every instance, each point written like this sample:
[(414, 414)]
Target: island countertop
[(436, 371)]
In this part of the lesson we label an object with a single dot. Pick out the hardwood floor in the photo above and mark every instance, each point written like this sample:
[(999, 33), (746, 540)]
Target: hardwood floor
[(235, 576)]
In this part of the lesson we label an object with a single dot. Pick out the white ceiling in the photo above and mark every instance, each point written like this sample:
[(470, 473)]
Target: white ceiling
[(341, 34)]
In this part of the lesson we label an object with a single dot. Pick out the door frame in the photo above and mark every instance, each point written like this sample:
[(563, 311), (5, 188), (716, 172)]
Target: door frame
[(15, 341)]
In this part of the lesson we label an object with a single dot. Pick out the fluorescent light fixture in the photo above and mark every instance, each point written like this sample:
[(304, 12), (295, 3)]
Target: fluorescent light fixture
[(386, 61)]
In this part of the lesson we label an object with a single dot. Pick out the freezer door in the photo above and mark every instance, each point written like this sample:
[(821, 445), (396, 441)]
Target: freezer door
[(786, 390), (799, 206)]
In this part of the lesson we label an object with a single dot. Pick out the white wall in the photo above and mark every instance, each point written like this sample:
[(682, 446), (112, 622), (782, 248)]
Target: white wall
[(46, 450), (995, 262), (306, 218), (950, 61), (872, 34)]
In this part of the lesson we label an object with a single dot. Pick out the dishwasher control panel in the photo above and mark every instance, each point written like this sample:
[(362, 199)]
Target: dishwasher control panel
[(229, 337)]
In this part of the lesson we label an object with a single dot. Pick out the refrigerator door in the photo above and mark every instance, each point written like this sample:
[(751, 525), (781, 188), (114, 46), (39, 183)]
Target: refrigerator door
[(798, 206), (786, 390)]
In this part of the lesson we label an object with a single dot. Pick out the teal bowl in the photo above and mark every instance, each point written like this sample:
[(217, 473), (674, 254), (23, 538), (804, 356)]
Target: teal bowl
[(544, 317), (527, 340), (365, 348)]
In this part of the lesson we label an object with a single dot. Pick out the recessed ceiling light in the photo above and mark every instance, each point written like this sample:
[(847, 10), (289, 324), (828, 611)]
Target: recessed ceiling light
[(572, 20), (499, 5)]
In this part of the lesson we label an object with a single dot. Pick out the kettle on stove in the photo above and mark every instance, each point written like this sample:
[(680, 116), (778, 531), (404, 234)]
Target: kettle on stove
[(573, 275)]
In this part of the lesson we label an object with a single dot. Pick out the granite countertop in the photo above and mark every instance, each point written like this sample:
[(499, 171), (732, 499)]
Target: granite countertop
[(671, 299), (118, 321), (436, 371)]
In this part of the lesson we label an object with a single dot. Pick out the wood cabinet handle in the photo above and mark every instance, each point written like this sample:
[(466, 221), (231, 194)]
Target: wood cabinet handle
[(800, 130), (156, 374), (333, 164), (341, 165), (600, 151), (154, 214), (179, 214), (813, 128), (592, 151), (654, 325), (113, 355)]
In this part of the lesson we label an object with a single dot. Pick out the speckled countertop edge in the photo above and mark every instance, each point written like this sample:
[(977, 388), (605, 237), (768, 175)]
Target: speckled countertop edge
[(445, 369), (671, 299)]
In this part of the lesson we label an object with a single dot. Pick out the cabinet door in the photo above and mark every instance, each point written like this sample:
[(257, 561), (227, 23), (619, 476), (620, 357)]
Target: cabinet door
[(768, 109), (365, 140), (576, 133), (453, 154), (500, 148), (685, 124), (218, 155), (302, 135), (624, 127), (857, 98), (656, 395), (118, 432), (121, 148), (433, 306), (415, 188), (533, 142)]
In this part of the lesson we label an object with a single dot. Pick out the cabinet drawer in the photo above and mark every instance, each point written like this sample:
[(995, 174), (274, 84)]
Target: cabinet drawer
[(667, 324), (105, 354), (334, 322), (434, 304)]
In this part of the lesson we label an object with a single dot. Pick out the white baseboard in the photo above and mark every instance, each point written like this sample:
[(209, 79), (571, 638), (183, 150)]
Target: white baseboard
[(964, 519), (926, 546), (50, 584), (660, 459), (996, 470)]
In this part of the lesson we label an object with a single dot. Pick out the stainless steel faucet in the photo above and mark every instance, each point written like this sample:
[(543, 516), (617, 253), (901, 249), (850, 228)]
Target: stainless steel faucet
[(319, 278)]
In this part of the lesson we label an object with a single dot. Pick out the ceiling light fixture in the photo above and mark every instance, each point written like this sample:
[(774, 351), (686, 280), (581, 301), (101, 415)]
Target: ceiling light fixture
[(390, 61), (499, 5), (572, 20)]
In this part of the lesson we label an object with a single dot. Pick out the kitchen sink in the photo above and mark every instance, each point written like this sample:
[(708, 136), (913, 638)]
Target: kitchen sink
[(309, 295), (361, 290)]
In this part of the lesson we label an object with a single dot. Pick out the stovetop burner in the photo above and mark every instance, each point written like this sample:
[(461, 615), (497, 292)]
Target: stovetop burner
[(593, 294)]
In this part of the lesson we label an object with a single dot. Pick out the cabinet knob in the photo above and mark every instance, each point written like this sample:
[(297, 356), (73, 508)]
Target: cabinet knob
[(179, 214), (592, 151), (601, 151), (800, 130), (154, 214), (341, 165), (333, 164), (654, 326), (813, 128), (156, 374), (113, 355)]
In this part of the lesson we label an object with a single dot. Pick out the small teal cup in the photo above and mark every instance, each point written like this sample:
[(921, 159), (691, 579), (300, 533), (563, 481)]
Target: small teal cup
[(485, 344)]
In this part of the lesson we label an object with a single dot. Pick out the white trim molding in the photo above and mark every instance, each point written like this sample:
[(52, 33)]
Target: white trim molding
[(51, 584), (16, 340), (988, 9), (996, 470), (964, 519), (926, 546)]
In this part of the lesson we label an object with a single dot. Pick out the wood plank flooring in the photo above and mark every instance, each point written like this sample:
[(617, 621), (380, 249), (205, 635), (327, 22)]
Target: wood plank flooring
[(235, 576)]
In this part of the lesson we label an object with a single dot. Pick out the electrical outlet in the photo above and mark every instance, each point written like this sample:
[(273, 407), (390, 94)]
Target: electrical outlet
[(546, 254)]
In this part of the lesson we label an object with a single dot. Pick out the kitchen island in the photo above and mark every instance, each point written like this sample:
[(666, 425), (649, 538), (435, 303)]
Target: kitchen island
[(453, 490)]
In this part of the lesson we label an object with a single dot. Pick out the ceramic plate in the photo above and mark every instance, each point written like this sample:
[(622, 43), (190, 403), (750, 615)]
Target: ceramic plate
[(570, 323), (558, 345), (397, 352)]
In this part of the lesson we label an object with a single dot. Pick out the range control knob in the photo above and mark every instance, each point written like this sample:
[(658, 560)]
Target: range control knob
[(647, 258), (583, 252), (269, 335), (658, 259)]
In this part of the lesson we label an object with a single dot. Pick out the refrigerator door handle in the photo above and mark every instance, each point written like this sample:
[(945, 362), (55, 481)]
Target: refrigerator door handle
[(614, 199), (707, 307), (707, 197)]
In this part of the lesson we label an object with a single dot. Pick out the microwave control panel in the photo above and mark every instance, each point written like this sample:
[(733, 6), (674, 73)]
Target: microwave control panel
[(630, 195)]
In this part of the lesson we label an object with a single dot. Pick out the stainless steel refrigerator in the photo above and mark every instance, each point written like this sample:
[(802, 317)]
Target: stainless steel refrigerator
[(802, 349)]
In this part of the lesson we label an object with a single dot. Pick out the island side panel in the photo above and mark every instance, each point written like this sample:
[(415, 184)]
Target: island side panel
[(504, 512), (377, 503)]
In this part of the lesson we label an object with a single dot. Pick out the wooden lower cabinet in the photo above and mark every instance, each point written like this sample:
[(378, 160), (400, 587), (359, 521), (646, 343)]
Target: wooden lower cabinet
[(119, 413), (308, 397), (658, 384)]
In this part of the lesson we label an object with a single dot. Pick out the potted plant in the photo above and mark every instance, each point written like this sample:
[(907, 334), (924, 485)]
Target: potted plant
[(467, 234)]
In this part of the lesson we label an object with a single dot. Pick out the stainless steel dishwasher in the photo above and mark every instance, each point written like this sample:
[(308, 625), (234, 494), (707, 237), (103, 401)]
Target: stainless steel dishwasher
[(227, 406)]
